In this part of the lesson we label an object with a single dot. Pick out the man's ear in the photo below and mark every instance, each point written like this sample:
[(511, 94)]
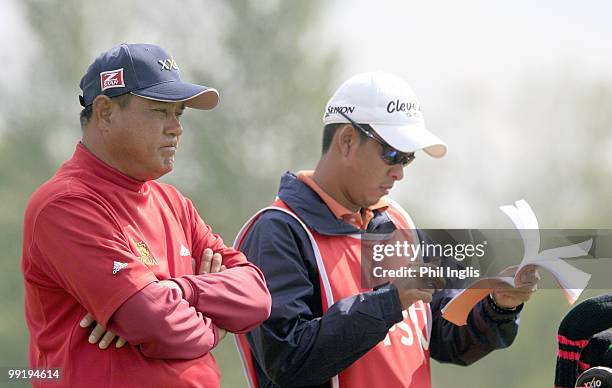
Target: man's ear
[(102, 110), (346, 139)]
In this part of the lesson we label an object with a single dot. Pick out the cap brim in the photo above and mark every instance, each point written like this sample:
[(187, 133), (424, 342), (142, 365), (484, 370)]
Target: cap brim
[(411, 138), (195, 96)]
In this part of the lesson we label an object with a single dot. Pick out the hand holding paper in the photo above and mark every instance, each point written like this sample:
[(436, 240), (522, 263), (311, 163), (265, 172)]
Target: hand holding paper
[(526, 284), (572, 280)]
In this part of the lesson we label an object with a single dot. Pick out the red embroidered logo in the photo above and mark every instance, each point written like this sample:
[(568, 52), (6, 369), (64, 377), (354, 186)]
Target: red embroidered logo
[(112, 79)]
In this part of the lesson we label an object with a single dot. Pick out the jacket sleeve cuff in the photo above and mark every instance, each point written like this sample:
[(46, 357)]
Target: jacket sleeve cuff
[(499, 314), (390, 304), (189, 293), (216, 333)]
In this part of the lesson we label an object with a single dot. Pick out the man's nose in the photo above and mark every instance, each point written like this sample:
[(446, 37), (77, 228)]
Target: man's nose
[(174, 127), (397, 172)]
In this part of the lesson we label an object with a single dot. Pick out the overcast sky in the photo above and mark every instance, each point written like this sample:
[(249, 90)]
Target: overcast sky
[(433, 43)]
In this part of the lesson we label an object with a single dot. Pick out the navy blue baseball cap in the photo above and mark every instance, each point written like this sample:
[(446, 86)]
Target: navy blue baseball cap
[(144, 70)]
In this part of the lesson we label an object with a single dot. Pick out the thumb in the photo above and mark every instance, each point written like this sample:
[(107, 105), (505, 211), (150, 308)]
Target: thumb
[(87, 320)]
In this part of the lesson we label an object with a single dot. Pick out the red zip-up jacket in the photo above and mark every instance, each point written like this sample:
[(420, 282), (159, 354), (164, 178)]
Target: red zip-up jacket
[(96, 240)]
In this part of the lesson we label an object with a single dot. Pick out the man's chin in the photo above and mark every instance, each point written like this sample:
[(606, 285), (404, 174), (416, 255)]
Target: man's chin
[(372, 201), (160, 173)]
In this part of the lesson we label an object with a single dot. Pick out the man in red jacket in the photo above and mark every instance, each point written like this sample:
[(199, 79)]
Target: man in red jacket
[(104, 237)]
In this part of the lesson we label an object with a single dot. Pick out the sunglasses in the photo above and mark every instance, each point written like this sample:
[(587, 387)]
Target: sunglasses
[(389, 155)]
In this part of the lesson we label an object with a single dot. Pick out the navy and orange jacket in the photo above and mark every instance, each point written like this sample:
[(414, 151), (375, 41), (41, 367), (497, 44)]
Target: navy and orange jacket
[(299, 345)]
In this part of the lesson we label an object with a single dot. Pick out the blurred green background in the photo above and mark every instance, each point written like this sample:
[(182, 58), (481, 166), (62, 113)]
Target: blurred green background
[(531, 128)]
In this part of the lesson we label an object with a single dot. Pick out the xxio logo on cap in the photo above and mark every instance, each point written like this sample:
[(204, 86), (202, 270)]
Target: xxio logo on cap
[(111, 79), (168, 64)]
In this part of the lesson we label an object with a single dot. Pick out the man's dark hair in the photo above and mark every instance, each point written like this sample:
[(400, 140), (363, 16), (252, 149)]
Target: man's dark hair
[(330, 130), (85, 114)]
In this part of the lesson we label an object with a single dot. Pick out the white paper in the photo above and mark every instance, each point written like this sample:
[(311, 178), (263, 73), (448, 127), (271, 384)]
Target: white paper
[(571, 279)]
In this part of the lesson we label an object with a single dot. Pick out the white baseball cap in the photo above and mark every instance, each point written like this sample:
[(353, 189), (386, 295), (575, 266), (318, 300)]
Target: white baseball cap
[(388, 104)]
